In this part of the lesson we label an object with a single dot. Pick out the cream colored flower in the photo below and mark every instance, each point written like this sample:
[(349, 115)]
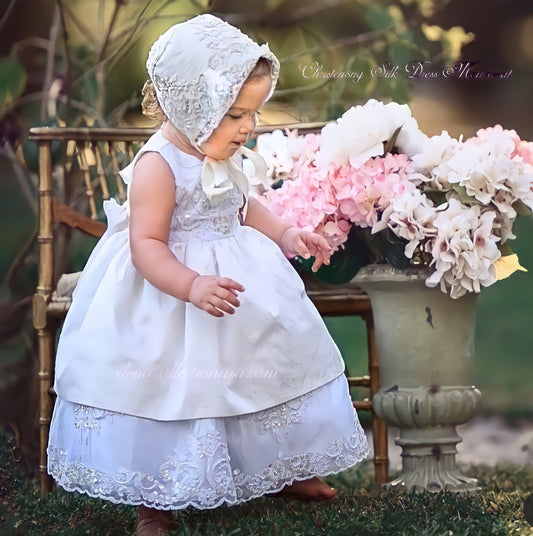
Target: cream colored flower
[(464, 250), (362, 131)]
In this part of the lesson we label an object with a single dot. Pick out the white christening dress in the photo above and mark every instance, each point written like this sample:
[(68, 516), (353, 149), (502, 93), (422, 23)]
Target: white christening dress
[(161, 404)]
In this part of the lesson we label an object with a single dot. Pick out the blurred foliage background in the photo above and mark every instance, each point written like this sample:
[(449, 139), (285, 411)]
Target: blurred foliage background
[(82, 62)]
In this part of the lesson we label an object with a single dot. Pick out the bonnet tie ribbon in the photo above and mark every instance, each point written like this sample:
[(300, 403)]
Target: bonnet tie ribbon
[(220, 176)]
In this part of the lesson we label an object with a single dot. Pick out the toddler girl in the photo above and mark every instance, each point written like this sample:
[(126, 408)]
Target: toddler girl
[(192, 369)]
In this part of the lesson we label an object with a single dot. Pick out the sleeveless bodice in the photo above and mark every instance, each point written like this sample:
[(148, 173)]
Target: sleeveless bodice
[(195, 217)]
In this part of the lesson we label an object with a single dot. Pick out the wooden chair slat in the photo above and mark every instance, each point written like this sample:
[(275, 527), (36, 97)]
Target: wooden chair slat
[(84, 167), (116, 169), (64, 214), (100, 171)]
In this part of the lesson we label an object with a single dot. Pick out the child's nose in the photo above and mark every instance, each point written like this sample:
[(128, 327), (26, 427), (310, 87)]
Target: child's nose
[(248, 126)]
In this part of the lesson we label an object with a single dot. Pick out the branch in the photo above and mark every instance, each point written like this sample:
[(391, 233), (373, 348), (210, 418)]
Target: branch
[(274, 19), (37, 42), (81, 27), (7, 13), (19, 258), (68, 70), (139, 23), (50, 62), (314, 9), (118, 112), (37, 95), (130, 34), (345, 41), (136, 25), (301, 89), (114, 16), (21, 174)]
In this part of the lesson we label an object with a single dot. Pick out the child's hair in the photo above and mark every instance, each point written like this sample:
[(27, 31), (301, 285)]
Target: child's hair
[(152, 109), (150, 104), (263, 67)]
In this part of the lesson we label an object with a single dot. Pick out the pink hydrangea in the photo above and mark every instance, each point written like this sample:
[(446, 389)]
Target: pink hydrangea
[(453, 202)]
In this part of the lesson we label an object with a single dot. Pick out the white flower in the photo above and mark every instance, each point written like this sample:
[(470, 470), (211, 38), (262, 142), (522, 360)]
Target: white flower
[(465, 249), (274, 149), (520, 182), (503, 228), (361, 132), (411, 140), (432, 159), (410, 216)]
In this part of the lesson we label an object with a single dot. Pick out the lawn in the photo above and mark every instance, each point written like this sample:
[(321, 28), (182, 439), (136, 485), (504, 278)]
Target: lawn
[(359, 510)]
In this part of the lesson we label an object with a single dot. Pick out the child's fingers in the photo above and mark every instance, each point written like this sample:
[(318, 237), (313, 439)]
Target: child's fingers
[(230, 284), (301, 248), (320, 243), (212, 310), (319, 261), (218, 306), (215, 295), (227, 296), (223, 306)]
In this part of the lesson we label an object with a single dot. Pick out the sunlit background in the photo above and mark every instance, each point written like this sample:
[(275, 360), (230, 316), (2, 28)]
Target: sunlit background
[(84, 64)]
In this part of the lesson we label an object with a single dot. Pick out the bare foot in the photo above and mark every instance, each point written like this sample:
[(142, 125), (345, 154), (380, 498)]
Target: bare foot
[(312, 489), (152, 522)]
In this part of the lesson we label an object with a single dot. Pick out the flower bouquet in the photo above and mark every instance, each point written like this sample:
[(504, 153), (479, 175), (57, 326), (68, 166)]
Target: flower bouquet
[(380, 190)]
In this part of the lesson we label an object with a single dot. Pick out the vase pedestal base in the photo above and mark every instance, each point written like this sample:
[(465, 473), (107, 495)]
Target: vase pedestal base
[(428, 462)]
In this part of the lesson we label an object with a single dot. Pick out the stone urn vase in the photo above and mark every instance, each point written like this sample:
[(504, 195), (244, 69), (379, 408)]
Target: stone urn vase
[(425, 343)]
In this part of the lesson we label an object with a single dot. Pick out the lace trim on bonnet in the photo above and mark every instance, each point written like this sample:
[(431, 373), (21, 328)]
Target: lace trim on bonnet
[(198, 68)]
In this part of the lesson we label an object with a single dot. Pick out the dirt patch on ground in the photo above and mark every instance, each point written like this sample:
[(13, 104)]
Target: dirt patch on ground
[(486, 441)]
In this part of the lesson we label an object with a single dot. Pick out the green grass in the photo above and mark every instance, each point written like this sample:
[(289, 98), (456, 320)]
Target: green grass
[(358, 511), (503, 366)]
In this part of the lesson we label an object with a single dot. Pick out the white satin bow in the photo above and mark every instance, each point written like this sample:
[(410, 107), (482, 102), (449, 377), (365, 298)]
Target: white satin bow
[(220, 176)]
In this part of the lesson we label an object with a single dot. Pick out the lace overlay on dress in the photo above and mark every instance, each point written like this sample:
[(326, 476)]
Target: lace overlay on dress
[(195, 218), (202, 476), (88, 419), (279, 419), (204, 462)]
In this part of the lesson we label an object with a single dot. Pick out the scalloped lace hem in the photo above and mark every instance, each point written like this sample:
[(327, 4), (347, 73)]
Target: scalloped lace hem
[(223, 485)]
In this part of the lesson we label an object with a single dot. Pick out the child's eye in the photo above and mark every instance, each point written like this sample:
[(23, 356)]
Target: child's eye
[(240, 116)]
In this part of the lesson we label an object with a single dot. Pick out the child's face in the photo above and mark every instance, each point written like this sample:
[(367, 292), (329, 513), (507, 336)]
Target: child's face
[(239, 122)]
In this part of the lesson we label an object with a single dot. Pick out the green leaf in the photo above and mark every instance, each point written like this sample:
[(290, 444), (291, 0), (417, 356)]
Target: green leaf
[(272, 5), (439, 198), (462, 196), (12, 80), (386, 246), (505, 249), (521, 208), (402, 51), (90, 89), (364, 66), (379, 17), (392, 141)]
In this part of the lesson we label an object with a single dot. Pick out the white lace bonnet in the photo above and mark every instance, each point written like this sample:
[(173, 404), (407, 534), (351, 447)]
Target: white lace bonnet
[(197, 69)]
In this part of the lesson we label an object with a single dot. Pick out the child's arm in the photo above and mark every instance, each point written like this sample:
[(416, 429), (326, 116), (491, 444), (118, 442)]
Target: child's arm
[(292, 240), (152, 203)]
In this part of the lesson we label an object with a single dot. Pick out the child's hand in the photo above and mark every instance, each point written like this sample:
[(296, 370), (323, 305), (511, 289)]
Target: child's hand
[(296, 241), (215, 295)]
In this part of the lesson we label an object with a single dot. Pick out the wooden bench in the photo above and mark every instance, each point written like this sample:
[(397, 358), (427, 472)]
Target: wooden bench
[(71, 193)]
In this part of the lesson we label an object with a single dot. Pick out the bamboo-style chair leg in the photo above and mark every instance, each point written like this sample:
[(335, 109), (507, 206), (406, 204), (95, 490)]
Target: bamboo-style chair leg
[(379, 426), (46, 343)]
